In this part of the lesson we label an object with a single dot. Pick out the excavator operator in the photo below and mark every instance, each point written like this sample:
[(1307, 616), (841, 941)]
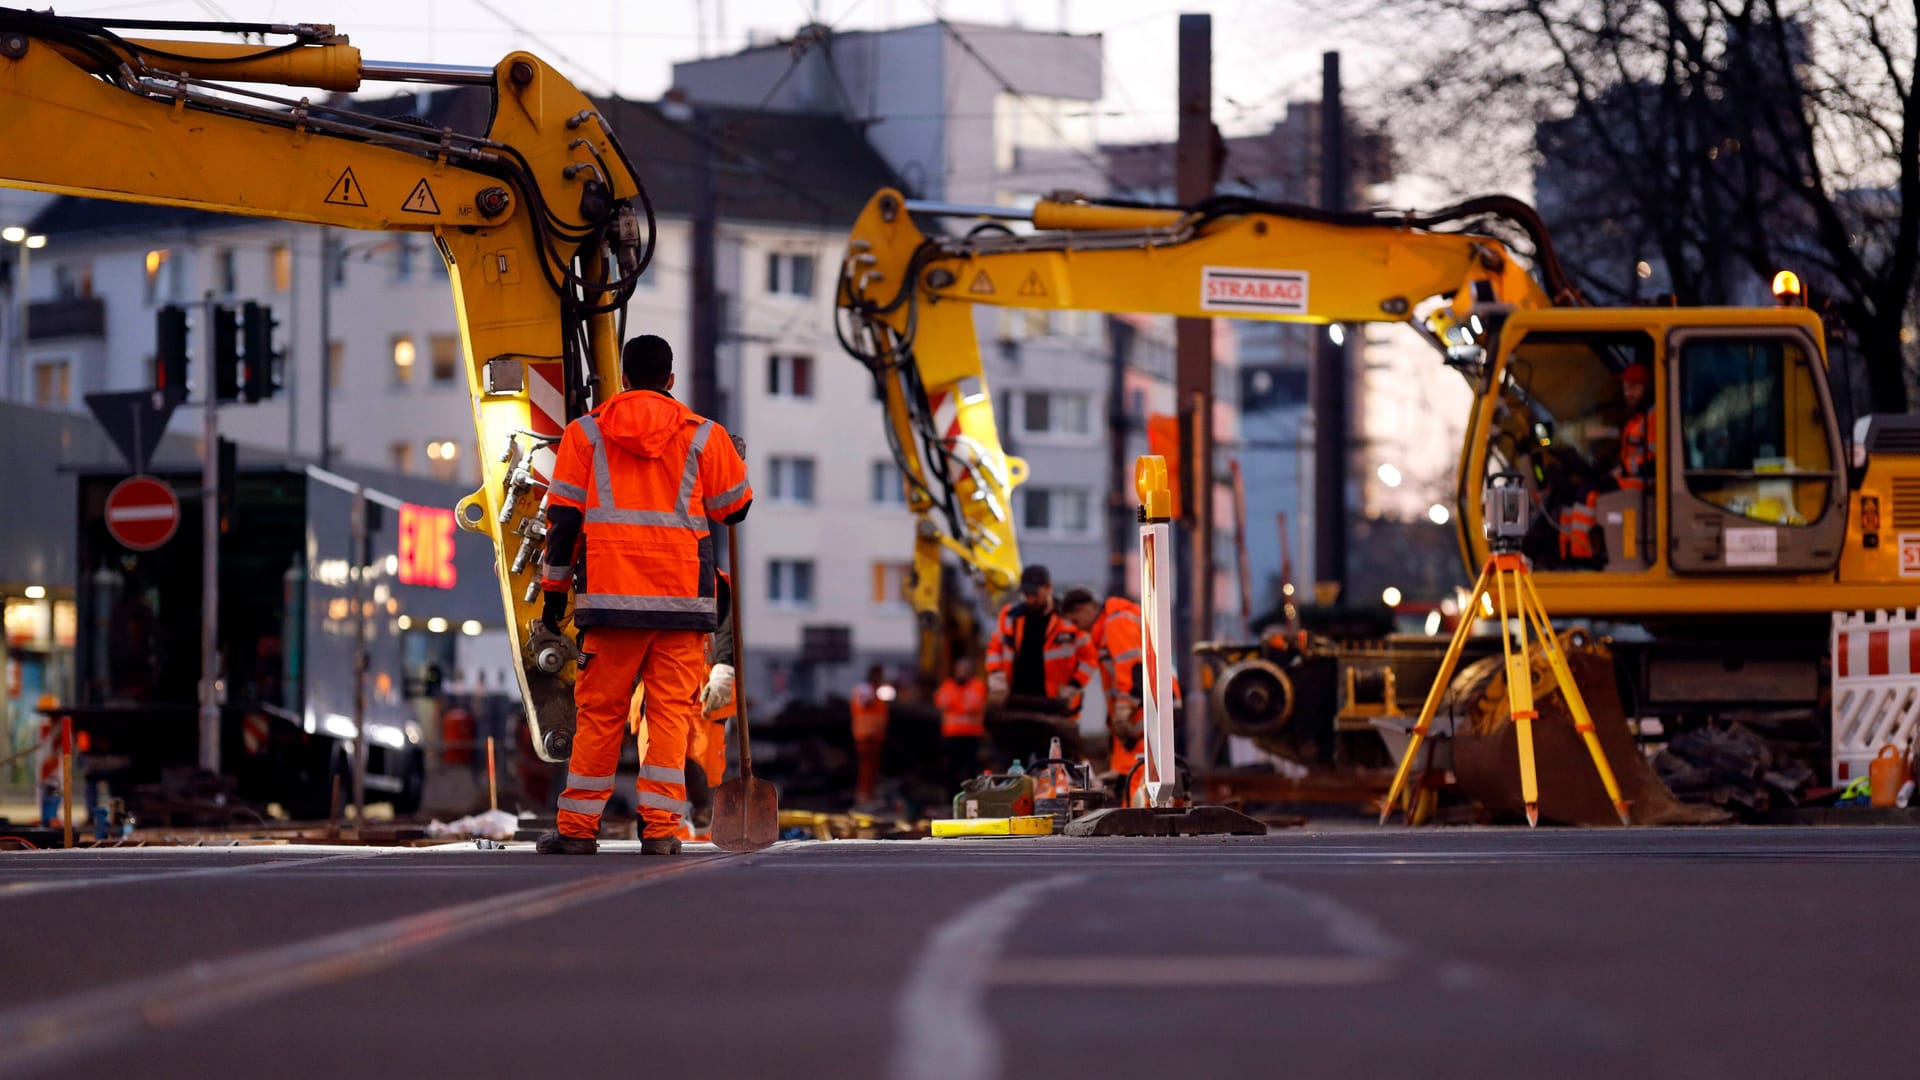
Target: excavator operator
[(636, 482)]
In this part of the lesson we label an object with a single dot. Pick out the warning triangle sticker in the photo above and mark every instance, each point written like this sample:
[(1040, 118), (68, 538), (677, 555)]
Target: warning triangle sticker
[(421, 201), (1033, 286), (346, 191), (982, 285)]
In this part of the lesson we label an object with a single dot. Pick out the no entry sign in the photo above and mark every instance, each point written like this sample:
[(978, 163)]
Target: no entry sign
[(142, 512)]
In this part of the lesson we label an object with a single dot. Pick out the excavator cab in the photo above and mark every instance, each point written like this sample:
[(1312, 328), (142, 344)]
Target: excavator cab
[(1731, 469)]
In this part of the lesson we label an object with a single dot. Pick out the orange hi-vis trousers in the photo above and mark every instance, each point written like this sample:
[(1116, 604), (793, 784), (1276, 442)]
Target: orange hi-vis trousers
[(673, 665)]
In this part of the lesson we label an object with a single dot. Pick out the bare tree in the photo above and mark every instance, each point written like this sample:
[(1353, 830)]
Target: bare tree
[(1690, 146)]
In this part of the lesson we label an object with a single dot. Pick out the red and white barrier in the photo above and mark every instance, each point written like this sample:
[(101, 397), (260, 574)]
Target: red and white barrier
[(1876, 687), (1158, 653)]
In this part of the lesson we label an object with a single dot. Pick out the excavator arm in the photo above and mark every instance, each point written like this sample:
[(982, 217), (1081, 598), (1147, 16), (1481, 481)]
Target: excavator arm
[(543, 225), (907, 298)]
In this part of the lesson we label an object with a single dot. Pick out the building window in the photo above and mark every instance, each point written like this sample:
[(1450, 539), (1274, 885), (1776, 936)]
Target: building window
[(402, 361), (792, 480), (336, 362), (227, 272), (889, 487), (890, 583), (790, 376), (790, 582), (443, 459), (789, 273), (1045, 412), (73, 281), (158, 289), (446, 357), (400, 455), (280, 256), (403, 252), (1054, 511), (52, 383)]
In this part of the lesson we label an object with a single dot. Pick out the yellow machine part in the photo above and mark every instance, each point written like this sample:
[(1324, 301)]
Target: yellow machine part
[(1486, 756), (1013, 826)]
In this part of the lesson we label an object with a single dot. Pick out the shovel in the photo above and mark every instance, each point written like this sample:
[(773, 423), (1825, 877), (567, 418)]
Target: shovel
[(746, 811)]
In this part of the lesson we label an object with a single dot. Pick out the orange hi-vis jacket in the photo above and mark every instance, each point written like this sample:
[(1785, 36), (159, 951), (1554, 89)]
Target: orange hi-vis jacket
[(1636, 451), (963, 708), (1118, 638), (647, 473), (1070, 659), (869, 713)]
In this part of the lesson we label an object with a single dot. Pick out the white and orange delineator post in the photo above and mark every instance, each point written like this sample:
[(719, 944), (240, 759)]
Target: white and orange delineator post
[(1156, 624)]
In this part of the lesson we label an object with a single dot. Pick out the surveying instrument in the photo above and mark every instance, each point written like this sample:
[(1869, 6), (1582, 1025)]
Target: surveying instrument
[(1507, 509)]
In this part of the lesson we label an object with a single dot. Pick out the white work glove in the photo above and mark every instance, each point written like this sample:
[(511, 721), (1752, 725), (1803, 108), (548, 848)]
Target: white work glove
[(996, 687), (719, 689)]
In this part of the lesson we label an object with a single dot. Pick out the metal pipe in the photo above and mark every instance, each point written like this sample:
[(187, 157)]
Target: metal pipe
[(947, 209), (409, 71)]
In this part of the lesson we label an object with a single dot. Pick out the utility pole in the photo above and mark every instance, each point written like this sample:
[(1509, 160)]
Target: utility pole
[(706, 309), (1330, 371), (329, 257), (356, 588), (1122, 533), (209, 546), (1193, 344)]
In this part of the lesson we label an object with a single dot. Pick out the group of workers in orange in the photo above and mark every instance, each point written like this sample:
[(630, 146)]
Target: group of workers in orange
[(1579, 519), (1041, 658)]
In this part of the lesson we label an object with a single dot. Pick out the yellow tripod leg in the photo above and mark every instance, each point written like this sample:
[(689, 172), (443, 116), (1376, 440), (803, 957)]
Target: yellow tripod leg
[(1435, 693), (1519, 688), (1582, 719)]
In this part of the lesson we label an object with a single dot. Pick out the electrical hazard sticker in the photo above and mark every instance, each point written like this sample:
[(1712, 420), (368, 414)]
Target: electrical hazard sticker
[(422, 200), (982, 285), (1265, 292), (1033, 286), (346, 191)]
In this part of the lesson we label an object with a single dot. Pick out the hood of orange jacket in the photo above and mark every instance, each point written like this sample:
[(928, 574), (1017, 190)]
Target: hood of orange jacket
[(643, 422)]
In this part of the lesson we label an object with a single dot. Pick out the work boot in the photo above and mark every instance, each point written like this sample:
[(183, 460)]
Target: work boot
[(555, 844), (660, 845)]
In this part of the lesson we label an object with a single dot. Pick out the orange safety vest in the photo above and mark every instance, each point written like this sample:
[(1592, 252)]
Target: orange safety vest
[(1070, 659), (963, 708), (869, 714), (1118, 637), (647, 473), (1636, 451), (1577, 521)]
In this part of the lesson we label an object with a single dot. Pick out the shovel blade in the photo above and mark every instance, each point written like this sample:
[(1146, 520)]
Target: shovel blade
[(746, 814)]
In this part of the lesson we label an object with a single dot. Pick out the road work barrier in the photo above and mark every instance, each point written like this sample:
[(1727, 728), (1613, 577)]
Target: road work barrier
[(1876, 688)]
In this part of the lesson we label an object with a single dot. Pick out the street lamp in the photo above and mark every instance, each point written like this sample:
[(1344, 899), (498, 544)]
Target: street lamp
[(17, 348)]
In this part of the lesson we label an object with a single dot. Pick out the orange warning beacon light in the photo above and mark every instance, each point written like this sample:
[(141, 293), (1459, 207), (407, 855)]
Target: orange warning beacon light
[(1787, 291)]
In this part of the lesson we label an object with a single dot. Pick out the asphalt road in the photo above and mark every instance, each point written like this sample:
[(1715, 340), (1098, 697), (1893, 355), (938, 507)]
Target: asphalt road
[(1455, 953)]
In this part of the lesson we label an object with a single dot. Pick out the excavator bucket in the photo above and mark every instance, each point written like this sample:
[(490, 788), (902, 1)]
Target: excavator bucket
[(1486, 751)]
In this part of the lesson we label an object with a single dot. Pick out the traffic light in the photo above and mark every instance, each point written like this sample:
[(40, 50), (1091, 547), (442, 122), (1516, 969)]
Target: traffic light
[(170, 349), (226, 354), (262, 361)]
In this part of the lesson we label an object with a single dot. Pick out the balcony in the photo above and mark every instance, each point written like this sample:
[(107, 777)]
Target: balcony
[(76, 317)]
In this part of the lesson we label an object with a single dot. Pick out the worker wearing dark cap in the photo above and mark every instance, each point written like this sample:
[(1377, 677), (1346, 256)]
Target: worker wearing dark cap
[(1037, 665)]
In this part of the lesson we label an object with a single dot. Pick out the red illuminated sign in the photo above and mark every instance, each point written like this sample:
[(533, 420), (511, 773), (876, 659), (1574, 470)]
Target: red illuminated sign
[(426, 546)]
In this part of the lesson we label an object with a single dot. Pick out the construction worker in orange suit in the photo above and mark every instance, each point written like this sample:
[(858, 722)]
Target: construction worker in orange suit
[(869, 704), (1635, 470), (962, 701), (707, 735), (635, 486), (1037, 665), (1115, 629)]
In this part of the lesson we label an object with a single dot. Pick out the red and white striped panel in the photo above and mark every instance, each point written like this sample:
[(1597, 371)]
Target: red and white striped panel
[(1876, 652), (547, 406), (946, 414)]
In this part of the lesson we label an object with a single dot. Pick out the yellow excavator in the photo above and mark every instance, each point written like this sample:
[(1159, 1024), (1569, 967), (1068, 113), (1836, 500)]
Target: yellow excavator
[(544, 228), (1750, 518)]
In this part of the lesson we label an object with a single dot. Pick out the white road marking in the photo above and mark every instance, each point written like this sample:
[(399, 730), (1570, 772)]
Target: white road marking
[(941, 1028), (63, 1028), (35, 888)]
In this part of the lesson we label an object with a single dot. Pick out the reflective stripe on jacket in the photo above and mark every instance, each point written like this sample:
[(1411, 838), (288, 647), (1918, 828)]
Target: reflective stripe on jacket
[(963, 708), (648, 473), (1070, 660)]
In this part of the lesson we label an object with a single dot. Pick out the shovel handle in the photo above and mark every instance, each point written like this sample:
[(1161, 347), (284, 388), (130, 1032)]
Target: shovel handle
[(740, 742)]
